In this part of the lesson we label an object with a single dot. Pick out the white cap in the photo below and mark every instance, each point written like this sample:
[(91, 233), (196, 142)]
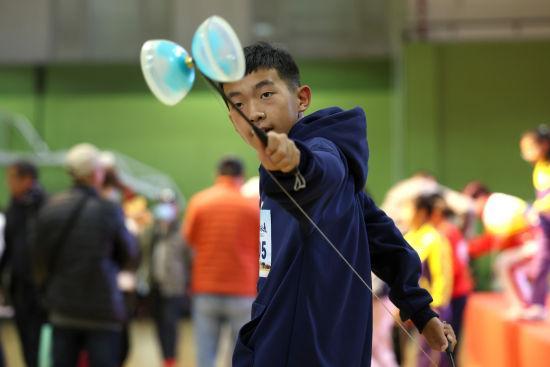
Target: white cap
[(167, 195), (82, 160), (251, 188), (107, 159)]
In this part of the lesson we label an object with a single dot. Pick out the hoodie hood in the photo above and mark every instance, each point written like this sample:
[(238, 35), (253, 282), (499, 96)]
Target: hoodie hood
[(346, 129)]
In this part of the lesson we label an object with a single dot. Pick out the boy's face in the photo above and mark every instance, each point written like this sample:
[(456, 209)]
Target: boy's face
[(267, 101)]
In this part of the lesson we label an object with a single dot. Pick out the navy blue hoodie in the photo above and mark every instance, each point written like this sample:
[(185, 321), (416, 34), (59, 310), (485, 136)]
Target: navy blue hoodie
[(311, 309)]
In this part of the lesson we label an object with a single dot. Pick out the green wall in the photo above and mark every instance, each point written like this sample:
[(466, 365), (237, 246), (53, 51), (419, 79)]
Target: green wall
[(110, 106), (466, 105), (16, 90)]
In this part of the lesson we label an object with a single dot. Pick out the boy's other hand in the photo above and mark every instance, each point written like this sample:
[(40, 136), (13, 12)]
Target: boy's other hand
[(439, 335), (281, 154)]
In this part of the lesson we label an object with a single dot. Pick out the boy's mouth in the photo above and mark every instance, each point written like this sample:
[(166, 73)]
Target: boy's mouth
[(266, 129)]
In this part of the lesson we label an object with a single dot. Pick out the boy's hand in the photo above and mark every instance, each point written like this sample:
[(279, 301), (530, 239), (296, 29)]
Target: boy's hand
[(439, 335), (281, 154)]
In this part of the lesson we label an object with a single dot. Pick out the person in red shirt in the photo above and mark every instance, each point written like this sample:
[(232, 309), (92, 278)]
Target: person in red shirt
[(221, 227)]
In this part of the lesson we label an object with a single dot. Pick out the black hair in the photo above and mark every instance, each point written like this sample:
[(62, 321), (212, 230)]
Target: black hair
[(428, 202), (25, 169), (262, 55), (111, 179), (541, 134), (230, 166), (476, 189), (449, 213)]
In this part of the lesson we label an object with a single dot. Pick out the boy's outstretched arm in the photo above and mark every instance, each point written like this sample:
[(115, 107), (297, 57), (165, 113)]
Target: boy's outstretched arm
[(318, 162), (395, 262)]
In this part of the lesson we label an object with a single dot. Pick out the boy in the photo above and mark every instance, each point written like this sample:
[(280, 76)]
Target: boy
[(311, 309)]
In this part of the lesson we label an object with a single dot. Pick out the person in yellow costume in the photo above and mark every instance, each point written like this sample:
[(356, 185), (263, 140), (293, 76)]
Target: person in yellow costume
[(506, 218), (535, 149), (435, 254)]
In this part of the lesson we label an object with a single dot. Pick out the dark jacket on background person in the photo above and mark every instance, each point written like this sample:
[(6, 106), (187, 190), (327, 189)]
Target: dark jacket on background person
[(20, 220), (80, 283), (15, 267), (311, 309)]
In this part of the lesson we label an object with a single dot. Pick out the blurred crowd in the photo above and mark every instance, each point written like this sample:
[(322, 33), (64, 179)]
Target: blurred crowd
[(77, 266), (471, 239)]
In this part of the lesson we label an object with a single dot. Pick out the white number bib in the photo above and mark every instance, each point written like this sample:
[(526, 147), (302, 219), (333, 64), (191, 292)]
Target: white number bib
[(265, 242)]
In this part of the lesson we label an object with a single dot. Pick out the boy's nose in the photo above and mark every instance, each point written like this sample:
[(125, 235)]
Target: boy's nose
[(257, 116)]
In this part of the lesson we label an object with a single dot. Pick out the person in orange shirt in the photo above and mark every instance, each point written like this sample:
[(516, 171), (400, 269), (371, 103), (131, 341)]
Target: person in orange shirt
[(221, 227)]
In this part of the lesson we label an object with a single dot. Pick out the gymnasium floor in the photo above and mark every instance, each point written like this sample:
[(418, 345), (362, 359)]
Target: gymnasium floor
[(144, 350)]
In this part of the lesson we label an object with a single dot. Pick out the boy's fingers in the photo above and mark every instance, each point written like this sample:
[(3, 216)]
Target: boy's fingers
[(280, 154), (273, 143), (256, 142), (442, 342), (266, 161), (444, 345), (450, 339), (450, 335)]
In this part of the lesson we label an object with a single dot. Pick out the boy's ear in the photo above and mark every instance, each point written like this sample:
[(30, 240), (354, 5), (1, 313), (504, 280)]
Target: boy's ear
[(304, 97)]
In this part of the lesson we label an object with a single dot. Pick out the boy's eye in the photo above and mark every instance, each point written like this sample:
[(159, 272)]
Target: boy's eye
[(267, 94), (239, 105)]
